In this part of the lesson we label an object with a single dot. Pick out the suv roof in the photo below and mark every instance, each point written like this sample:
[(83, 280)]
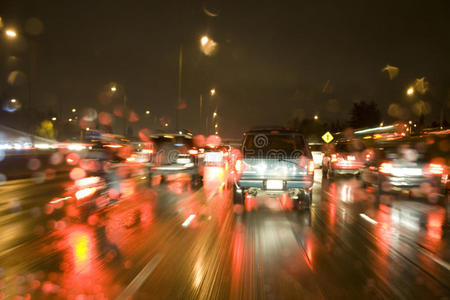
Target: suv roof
[(271, 131)]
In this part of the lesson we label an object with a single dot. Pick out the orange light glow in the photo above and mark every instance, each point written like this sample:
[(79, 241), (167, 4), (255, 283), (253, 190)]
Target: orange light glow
[(113, 146), (77, 173), (81, 244), (436, 169), (84, 193), (386, 168)]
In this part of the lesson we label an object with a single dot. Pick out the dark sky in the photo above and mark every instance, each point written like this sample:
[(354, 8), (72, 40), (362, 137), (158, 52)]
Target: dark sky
[(275, 59)]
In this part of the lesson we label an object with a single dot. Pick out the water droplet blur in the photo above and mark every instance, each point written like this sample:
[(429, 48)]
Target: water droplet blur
[(16, 78)]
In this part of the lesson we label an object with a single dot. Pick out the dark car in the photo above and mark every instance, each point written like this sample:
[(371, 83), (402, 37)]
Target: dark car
[(174, 154), (416, 168), (274, 162), (343, 157)]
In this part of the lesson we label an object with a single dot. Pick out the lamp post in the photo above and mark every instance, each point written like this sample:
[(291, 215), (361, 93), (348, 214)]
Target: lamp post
[(114, 90)]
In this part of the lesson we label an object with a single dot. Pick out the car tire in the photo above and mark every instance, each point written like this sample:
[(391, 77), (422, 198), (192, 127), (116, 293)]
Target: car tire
[(324, 172), (329, 174), (238, 198), (306, 200), (150, 178)]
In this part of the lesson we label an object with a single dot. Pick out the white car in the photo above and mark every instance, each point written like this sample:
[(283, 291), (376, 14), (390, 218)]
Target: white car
[(317, 154)]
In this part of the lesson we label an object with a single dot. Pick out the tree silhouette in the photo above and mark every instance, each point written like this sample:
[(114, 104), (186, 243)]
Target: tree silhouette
[(364, 114)]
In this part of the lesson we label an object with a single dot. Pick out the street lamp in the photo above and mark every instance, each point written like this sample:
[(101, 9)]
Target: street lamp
[(147, 112), (13, 100), (410, 91), (11, 33), (214, 114), (74, 110), (54, 119), (215, 126), (166, 124), (204, 40), (212, 92), (316, 117), (113, 89), (70, 120)]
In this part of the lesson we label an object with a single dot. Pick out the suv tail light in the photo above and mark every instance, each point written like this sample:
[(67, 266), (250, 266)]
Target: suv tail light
[(311, 167), (238, 166), (435, 169), (386, 168)]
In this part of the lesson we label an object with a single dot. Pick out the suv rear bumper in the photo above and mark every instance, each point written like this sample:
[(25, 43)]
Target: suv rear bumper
[(287, 184)]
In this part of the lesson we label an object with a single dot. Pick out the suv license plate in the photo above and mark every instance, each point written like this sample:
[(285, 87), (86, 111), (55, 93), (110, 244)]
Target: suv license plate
[(274, 184)]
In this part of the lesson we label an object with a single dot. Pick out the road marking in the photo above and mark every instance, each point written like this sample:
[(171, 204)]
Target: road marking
[(188, 221), (368, 219), (140, 278)]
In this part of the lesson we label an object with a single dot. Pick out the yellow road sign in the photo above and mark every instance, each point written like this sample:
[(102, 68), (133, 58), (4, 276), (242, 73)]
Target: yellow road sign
[(327, 137)]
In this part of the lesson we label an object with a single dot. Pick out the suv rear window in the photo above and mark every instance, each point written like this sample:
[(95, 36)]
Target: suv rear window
[(289, 145)]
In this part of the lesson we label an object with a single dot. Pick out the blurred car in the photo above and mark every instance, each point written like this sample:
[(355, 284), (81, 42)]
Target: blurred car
[(416, 168), (217, 156), (317, 154), (175, 154), (342, 158), (274, 162)]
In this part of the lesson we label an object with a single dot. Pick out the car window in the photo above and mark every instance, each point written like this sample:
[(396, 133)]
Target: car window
[(291, 145)]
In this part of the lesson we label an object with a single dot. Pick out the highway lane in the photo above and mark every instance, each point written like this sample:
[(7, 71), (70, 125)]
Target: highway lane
[(188, 243)]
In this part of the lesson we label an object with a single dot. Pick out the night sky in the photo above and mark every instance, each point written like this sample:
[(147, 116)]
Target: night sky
[(275, 59)]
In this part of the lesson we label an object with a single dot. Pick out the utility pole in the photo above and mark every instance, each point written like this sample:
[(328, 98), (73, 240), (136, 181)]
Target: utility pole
[(180, 77)]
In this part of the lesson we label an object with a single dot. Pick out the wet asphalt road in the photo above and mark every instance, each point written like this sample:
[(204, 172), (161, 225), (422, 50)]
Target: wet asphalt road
[(172, 241)]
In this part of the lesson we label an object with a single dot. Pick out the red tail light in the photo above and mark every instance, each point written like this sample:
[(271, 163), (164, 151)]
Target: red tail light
[(334, 157), (238, 166), (386, 168), (193, 151), (311, 167), (436, 169), (85, 193)]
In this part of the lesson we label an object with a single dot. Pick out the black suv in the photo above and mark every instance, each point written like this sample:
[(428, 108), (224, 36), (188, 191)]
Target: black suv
[(275, 162)]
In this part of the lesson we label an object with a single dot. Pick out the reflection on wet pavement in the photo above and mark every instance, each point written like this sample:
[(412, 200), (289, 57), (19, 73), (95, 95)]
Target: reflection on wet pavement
[(173, 240)]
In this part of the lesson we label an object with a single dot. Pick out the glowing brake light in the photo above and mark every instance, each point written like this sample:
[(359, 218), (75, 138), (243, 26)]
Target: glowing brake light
[(333, 157), (131, 158), (193, 151), (436, 169), (386, 168), (113, 146), (84, 193), (87, 181), (311, 167)]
